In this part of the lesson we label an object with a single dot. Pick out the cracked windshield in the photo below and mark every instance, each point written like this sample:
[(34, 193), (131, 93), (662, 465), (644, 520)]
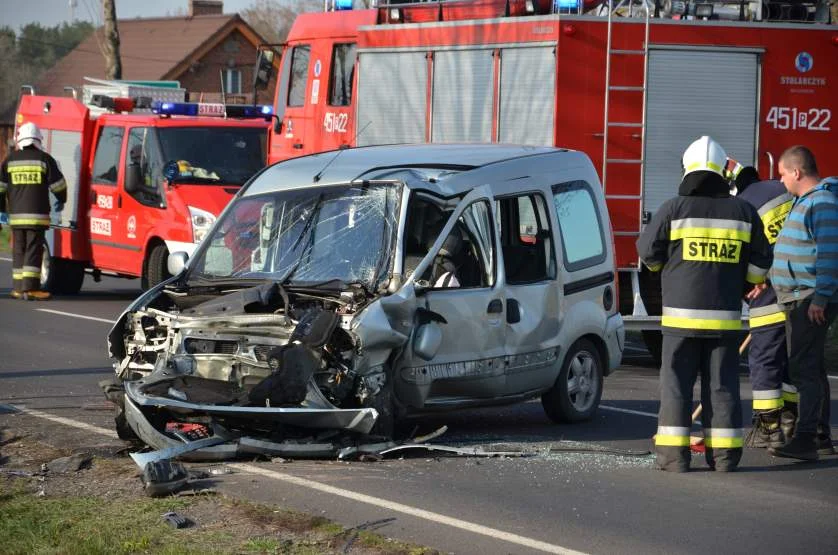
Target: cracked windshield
[(228, 155), (306, 236)]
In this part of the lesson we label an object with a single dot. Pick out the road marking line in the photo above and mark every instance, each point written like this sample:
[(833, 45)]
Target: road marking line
[(629, 411), (408, 510), (4, 259), (368, 499), (68, 422), (76, 315)]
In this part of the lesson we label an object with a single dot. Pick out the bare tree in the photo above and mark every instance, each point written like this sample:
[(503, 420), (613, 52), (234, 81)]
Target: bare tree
[(113, 61), (272, 19)]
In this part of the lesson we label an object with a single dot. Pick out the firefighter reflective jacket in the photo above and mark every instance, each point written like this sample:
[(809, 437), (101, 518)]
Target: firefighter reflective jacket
[(773, 204), (26, 177), (707, 244)]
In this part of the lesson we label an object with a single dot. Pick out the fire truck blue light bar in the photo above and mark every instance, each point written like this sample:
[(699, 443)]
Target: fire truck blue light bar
[(264, 111)]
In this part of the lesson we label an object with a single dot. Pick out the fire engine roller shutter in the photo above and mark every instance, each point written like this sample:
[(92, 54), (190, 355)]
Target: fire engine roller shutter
[(65, 147), (527, 96), (393, 113), (695, 93), (462, 97)]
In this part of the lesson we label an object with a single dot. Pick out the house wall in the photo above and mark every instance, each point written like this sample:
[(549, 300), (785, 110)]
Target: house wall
[(235, 51)]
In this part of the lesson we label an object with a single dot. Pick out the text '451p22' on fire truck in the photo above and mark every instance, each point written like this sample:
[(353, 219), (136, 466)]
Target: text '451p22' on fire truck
[(629, 89), (139, 185)]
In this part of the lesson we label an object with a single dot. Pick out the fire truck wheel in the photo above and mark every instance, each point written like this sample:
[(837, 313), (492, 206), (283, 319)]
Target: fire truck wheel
[(575, 395), (59, 275), (154, 269)]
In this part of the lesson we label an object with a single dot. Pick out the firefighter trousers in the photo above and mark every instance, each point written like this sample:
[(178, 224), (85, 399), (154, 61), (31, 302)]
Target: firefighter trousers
[(768, 362), (716, 360), (27, 251)]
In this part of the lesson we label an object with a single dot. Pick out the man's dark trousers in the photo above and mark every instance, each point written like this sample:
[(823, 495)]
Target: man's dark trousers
[(805, 341)]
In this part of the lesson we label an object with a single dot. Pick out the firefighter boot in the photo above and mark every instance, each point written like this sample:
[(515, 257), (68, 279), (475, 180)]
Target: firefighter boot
[(824, 445), (36, 295), (788, 419), (766, 430)]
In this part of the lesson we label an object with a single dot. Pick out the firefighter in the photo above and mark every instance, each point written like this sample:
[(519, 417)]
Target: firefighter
[(774, 397), (708, 245), (27, 177)]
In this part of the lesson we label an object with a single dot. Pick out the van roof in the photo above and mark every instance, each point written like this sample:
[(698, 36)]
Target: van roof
[(383, 162)]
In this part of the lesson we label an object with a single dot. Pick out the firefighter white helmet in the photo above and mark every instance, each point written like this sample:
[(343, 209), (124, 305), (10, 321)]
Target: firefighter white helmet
[(704, 154), (28, 134)]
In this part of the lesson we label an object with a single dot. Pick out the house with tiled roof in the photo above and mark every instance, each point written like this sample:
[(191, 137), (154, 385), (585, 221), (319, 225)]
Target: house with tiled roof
[(204, 50)]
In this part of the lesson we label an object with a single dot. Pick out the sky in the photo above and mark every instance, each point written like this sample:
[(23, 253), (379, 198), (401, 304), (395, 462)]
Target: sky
[(16, 13)]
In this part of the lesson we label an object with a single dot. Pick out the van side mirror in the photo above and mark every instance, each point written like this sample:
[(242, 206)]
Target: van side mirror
[(133, 178), (264, 69), (176, 262)]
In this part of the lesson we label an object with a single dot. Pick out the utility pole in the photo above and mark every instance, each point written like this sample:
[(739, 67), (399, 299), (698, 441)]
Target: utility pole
[(113, 62)]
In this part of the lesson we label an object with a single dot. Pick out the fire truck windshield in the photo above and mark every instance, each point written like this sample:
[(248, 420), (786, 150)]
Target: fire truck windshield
[(214, 155), (305, 236)]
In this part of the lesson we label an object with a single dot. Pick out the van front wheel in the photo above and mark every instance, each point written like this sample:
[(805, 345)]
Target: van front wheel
[(575, 395), (155, 269)]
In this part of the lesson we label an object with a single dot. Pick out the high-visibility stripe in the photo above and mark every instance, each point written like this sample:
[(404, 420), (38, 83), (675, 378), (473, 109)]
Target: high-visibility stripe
[(673, 436), (17, 274), (767, 393), (3, 186), (58, 186), (789, 397), (654, 267), (767, 320), (709, 233), (29, 165), (755, 274), (789, 388), (13, 221), (767, 404), (26, 274), (774, 203), (723, 438), (687, 318), (672, 441), (714, 223), (31, 269), (704, 165)]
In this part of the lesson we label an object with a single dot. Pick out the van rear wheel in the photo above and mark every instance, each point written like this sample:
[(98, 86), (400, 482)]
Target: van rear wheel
[(575, 395), (155, 269)]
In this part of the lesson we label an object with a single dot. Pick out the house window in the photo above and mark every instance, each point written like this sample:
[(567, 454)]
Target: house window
[(232, 81)]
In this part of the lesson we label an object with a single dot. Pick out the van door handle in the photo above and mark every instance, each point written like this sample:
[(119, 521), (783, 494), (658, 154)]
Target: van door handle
[(513, 311), (298, 146), (495, 307)]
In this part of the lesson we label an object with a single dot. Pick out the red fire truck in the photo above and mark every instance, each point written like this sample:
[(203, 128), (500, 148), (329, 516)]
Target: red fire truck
[(627, 88), (140, 184)]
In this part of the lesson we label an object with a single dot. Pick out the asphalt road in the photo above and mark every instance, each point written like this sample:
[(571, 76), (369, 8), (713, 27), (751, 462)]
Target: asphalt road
[(52, 355)]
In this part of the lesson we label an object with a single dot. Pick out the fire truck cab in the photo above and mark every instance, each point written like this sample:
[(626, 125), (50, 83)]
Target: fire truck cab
[(140, 185), (629, 89)]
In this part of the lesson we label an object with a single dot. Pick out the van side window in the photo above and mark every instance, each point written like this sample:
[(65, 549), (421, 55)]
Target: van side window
[(583, 237), (106, 160), (467, 256), (526, 239), (144, 160), (299, 75), (343, 70)]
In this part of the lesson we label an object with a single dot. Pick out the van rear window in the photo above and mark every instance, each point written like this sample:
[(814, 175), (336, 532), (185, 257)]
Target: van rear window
[(583, 238)]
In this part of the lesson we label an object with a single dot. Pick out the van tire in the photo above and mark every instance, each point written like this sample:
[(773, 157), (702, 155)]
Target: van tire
[(155, 269), (583, 363), (59, 275)]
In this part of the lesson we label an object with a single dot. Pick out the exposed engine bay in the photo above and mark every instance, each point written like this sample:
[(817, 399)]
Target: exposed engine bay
[(258, 362)]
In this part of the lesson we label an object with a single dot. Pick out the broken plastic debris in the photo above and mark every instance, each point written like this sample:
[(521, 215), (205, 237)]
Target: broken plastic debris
[(175, 520)]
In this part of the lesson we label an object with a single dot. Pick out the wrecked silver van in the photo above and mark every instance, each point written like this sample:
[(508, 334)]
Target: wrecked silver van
[(341, 291)]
